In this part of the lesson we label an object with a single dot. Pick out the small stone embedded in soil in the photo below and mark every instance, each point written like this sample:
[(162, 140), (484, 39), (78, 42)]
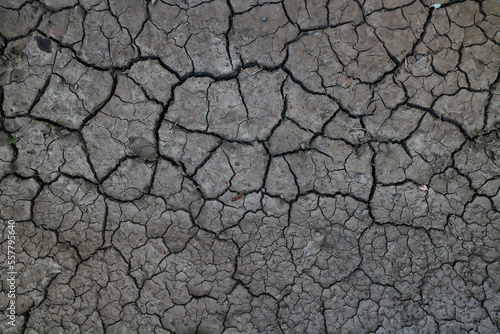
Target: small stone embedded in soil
[(422, 187), (158, 248), (43, 44), (18, 75)]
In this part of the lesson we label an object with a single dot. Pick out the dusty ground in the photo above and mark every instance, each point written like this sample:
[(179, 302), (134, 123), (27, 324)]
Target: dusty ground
[(251, 166)]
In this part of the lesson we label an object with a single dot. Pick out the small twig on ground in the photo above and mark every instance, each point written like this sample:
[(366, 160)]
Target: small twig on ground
[(257, 70)]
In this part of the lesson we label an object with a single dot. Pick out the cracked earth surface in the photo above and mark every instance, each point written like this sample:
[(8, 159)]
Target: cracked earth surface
[(251, 166)]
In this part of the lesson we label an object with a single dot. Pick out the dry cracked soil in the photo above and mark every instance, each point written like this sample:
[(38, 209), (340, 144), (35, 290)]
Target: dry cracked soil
[(250, 166)]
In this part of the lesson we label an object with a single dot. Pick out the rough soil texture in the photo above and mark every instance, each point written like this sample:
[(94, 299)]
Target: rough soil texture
[(251, 166)]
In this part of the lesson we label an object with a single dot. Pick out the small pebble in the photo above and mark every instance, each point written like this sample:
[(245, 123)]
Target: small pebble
[(264, 19), (43, 44)]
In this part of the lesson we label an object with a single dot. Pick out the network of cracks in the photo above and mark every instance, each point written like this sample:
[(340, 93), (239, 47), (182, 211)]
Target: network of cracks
[(232, 166)]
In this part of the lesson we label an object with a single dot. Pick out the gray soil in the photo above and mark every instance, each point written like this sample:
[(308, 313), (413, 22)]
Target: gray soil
[(251, 166)]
